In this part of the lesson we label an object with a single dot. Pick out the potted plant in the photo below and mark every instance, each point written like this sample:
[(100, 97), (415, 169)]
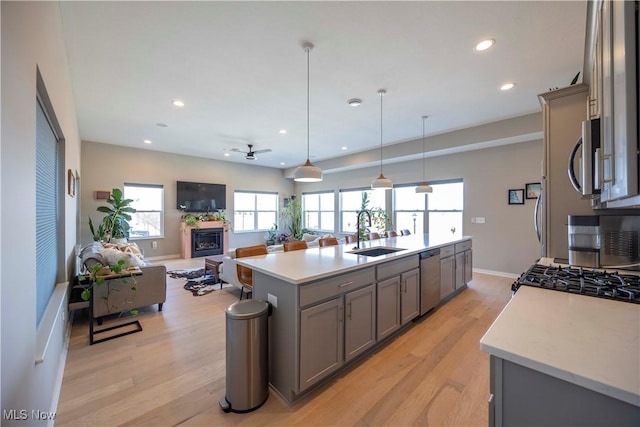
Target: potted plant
[(292, 217), (115, 225)]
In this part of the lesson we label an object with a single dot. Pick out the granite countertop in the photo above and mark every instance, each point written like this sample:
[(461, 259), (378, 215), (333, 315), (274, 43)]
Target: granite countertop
[(308, 265), (591, 342)]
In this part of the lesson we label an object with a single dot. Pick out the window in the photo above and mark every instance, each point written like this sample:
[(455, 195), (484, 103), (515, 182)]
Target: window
[(318, 211), (443, 209), (148, 201), (409, 209), (351, 201), (254, 211), (48, 209)]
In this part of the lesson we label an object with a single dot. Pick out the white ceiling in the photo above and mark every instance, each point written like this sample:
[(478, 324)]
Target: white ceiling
[(242, 72)]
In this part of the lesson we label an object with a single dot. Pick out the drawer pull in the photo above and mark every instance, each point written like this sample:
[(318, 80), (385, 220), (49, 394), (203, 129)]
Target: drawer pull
[(345, 284)]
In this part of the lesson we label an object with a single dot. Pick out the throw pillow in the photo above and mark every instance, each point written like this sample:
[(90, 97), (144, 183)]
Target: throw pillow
[(309, 237), (112, 256)]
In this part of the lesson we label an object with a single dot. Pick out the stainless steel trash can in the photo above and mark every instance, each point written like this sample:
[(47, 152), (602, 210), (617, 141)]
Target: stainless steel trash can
[(247, 360)]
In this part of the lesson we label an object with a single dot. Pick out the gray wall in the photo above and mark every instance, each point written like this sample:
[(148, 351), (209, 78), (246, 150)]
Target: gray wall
[(107, 166), (31, 38), (507, 242)]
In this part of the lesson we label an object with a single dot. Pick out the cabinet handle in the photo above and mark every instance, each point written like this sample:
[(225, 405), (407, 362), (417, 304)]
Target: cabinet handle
[(345, 284), (341, 315), (349, 315)]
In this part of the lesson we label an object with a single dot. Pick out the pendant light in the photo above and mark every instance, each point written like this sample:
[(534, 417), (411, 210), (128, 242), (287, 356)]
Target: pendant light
[(381, 182), (424, 187), (308, 172)]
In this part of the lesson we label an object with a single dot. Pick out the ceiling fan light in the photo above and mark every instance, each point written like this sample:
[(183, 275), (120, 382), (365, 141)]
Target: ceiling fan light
[(307, 173), (381, 183), (424, 188)]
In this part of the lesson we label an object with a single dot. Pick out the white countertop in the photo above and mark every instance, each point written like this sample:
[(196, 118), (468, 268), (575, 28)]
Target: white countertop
[(588, 341), (303, 266)]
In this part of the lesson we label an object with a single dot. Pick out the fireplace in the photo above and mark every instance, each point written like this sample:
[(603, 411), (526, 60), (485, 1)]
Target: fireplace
[(205, 242)]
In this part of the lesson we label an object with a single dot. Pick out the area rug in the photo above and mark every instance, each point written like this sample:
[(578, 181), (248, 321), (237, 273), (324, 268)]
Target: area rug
[(198, 283)]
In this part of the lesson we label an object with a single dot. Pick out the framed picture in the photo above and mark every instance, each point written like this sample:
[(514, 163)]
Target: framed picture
[(102, 195), (71, 183), (516, 197), (532, 190)]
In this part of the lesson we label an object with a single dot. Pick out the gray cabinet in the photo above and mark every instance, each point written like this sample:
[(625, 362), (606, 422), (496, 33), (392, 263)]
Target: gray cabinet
[(447, 271), (460, 270), (468, 266), (409, 296), (321, 341), (360, 321), (388, 307), (463, 264), (521, 396), (334, 332)]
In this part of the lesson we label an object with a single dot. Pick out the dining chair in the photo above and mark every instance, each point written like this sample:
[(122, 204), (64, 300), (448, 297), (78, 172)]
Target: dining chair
[(392, 234), (350, 238), (328, 241), (373, 235), (405, 232), (245, 274), (295, 245)]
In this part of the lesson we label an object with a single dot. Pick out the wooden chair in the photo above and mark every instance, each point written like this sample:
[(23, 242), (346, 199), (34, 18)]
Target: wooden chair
[(373, 235), (350, 238), (392, 234), (245, 274), (405, 232), (295, 245), (328, 241)]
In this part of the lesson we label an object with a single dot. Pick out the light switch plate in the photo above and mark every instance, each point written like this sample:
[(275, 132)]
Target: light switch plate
[(480, 220)]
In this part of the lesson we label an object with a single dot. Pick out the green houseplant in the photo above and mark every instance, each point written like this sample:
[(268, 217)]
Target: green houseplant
[(115, 224), (291, 215)]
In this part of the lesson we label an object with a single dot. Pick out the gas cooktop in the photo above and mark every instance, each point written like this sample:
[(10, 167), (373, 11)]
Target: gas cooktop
[(619, 286)]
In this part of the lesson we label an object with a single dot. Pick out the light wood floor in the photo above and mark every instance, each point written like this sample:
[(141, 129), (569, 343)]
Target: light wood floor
[(173, 373)]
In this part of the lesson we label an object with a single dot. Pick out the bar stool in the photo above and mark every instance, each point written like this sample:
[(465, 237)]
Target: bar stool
[(373, 235), (405, 232), (328, 241), (392, 234), (245, 274), (295, 245)]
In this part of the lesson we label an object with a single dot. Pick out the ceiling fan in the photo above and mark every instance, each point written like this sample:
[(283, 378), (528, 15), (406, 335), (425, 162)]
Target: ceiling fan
[(251, 154)]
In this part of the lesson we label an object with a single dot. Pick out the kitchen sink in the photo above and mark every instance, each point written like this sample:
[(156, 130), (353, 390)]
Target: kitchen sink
[(377, 251)]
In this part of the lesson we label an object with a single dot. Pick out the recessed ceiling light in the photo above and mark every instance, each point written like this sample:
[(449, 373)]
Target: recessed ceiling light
[(162, 125), (507, 86), (227, 154), (283, 131), (484, 45), (147, 141), (355, 102), (344, 148), (178, 103), (281, 163)]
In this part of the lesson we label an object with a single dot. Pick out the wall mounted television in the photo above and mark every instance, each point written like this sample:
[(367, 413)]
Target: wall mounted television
[(201, 197)]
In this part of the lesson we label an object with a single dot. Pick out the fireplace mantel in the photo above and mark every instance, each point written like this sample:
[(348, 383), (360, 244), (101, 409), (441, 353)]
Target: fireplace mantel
[(185, 247)]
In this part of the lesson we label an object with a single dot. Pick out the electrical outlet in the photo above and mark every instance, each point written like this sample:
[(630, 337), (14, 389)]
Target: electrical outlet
[(273, 300), (154, 244)]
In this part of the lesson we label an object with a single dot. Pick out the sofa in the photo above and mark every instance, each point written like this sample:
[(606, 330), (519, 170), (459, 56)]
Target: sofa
[(115, 296), (228, 270)]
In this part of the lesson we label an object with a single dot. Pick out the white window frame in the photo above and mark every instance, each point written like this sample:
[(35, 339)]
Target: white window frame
[(140, 211), (256, 212), (320, 210), (342, 211)]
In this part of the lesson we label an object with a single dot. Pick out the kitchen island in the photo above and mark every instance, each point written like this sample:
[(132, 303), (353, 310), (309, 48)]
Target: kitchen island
[(564, 359), (332, 306)]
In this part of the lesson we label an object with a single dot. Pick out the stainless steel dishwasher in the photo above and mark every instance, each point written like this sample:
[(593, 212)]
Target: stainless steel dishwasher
[(429, 280)]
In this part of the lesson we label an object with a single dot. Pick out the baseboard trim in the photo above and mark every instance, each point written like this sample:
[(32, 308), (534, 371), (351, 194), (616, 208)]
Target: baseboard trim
[(496, 273), (162, 257)]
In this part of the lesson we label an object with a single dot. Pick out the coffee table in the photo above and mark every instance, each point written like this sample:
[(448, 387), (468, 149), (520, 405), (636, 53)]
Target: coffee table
[(213, 263)]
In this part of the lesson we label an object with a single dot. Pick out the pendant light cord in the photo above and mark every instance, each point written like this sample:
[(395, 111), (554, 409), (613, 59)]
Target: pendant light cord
[(381, 92), (308, 51), (424, 119)]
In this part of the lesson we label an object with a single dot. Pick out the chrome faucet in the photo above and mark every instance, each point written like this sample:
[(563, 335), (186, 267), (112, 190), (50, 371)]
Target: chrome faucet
[(358, 225)]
